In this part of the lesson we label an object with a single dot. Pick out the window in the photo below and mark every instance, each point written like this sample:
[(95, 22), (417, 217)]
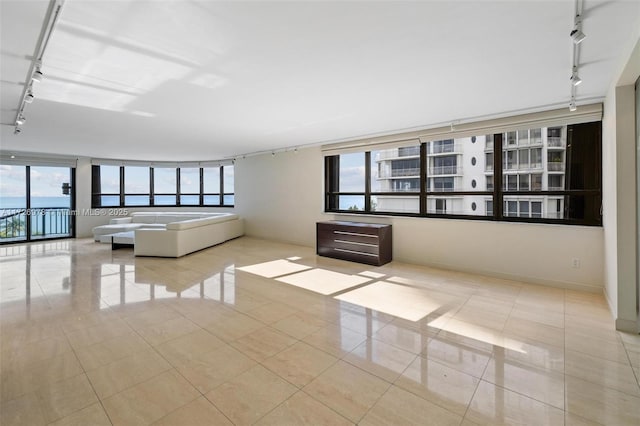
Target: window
[(488, 162), (136, 186), (189, 186), (395, 170), (165, 186), (538, 182), (228, 184), (442, 146), (109, 184), (211, 182), (120, 186), (442, 184)]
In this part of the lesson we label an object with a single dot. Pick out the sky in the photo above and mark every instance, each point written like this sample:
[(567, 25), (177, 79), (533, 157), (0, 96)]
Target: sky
[(45, 181)]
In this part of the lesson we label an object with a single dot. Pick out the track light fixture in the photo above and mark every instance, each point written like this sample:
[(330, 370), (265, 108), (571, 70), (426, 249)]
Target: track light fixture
[(35, 68), (575, 79), (37, 75), (576, 34), (572, 105)]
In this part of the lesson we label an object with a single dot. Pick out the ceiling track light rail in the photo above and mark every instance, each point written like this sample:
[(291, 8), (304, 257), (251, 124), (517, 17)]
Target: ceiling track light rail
[(35, 74), (577, 36)]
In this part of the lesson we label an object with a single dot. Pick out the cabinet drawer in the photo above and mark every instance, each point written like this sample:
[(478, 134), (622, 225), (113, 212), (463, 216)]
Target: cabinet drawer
[(355, 241)]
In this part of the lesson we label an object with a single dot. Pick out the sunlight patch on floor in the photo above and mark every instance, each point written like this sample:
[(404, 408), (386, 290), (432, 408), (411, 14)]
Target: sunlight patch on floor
[(402, 301), (323, 281), (274, 268)]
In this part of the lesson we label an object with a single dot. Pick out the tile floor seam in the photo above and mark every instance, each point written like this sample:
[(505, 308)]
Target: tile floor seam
[(374, 403), (473, 395), (604, 385), (178, 408), (175, 368), (325, 405), (298, 390), (343, 359), (526, 396), (422, 397), (317, 375), (84, 372)]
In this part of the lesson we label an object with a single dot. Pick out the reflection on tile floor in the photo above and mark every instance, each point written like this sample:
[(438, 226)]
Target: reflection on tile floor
[(233, 335)]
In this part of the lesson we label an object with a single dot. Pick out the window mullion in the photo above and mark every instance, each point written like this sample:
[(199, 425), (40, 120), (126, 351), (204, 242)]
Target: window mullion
[(367, 181), (121, 186), (151, 184), (497, 177), (423, 178)]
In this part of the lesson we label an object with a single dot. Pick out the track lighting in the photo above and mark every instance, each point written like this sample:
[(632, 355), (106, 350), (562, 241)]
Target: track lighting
[(17, 130), (575, 80), (20, 120), (572, 105), (28, 98), (37, 75), (577, 35), (273, 153)]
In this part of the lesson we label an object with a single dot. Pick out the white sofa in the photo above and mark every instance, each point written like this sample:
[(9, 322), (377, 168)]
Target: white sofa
[(173, 234), (187, 236), (158, 220)]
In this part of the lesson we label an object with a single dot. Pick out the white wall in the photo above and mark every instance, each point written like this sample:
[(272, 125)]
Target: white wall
[(87, 218), (619, 193), (609, 201), (281, 198)]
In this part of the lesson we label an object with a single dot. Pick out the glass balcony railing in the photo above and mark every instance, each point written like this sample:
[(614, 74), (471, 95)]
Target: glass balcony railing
[(445, 170), (555, 142), (412, 171), (555, 167)]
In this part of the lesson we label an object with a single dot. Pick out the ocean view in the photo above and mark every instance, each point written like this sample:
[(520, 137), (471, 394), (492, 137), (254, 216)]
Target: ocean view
[(52, 221), (36, 202)]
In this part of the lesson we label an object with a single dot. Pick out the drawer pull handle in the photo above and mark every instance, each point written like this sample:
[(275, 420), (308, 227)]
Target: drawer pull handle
[(355, 233), (353, 242), (356, 252)]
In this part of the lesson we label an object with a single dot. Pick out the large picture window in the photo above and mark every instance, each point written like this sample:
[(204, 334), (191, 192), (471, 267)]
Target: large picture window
[(128, 186), (541, 174)]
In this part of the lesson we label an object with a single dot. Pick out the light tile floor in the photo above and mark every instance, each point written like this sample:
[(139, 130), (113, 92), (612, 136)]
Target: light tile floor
[(243, 333)]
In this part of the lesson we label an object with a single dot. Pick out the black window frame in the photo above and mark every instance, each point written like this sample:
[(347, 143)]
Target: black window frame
[(592, 215), (96, 194)]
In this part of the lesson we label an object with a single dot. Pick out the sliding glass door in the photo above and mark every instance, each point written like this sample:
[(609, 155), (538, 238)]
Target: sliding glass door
[(36, 202), (13, 203), (50, 207)]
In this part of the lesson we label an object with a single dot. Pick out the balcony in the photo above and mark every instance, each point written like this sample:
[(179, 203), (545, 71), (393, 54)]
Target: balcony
[(555, 166), (396, 173), (46, 222), (390, 154), (445, 170), (488, 146), (454, 148), (555, 142)]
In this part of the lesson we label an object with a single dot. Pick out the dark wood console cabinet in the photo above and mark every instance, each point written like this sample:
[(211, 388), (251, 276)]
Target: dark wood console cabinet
[(368, 243)]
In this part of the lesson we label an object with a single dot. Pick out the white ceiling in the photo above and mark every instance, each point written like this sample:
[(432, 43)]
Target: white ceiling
[(196, 80)]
